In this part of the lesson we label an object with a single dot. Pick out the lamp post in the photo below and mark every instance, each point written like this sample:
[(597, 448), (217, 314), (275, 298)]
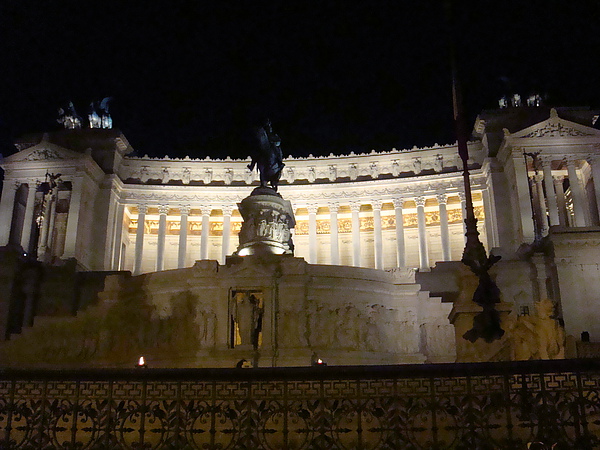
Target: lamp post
[(486, 324)]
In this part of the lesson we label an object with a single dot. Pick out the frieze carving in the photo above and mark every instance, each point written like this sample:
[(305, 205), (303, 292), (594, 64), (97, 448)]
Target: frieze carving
[(388, 222), (555, 130), (41, 154), (376, 328)]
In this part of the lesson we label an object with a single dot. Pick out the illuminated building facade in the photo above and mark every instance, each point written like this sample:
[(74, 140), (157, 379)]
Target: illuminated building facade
[(79, 194)]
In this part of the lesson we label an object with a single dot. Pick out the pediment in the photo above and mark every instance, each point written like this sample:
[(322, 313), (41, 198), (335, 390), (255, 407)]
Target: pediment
[(556, 127), (43, 151)]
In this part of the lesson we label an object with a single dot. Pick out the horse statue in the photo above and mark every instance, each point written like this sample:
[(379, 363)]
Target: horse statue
[(267, 156)]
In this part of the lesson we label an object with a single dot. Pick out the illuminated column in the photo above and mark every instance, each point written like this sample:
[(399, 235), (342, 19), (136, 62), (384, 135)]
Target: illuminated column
[(73, 217), (205, 231), (139, 239), (423, 252), (550, 191), (227, 210), (444, 233), (7, 206), (183, 229), (577, 194), (594, 162), (561, 201), (463, 210), (312, 233), (541, 201), (523, 195), (490, 226), (52, 221), (333, 230), (355, 207), (163, 210), (116, 264), (378, 238), (28, 220), (42, 243), (400, 250)]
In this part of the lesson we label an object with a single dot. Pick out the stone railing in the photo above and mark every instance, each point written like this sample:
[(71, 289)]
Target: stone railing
[(498, 405)]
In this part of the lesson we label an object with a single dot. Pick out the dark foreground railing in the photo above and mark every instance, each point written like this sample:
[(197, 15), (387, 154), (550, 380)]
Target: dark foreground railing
[(467, 406)]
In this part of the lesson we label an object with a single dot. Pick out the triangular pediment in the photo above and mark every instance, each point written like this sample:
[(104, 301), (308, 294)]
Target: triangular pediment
[(556, 127), (43, 151)]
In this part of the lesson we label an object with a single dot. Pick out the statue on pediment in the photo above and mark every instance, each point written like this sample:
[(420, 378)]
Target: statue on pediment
[(267, 156), (69, 117)]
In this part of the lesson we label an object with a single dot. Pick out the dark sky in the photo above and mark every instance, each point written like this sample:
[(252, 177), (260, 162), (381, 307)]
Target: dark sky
[(332, 76)]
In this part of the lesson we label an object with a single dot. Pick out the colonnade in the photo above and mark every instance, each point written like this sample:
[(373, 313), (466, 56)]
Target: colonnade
[(18, 230), (354, 206), (550, 201)]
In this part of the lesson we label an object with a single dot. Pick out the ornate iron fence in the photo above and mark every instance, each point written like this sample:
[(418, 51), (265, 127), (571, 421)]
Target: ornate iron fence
[(470, 406)]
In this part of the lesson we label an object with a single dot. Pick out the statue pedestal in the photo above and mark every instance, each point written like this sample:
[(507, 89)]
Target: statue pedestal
[(462, 316), (268, 220)]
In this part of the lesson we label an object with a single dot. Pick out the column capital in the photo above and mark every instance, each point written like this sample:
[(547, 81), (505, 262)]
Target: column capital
[(184, 210), (142, 208), (571, 159), (376, 205), (227, 210), (420, 201), (558, 178), (593, 159), (355, 207), (398, 202), (462, 196), (538, 178), (441, 198), (13, 185), (312, 208), (334, 207), (163, 209), (205, 210), (545, 160)]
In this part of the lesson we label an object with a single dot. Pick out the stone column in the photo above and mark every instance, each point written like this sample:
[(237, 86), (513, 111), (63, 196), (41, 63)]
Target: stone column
[(116, 263), (163, 210), (541, 202), (184, 210), (523, 195), (52, 221), (577, 194), (28, 220), (43, 241), (550, 191), (227, 210), (400, 248), (139, 239), (463, 211), (423, 251), (312, 233), (490, 226), (205, 231), (73, 217), (594, 162), (561, 201), (333, 233), (377, 234), (355, 207), (7, 207), (444, 232)]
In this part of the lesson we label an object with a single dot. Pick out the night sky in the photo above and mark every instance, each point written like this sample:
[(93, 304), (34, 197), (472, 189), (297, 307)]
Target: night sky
[(191, 78)]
